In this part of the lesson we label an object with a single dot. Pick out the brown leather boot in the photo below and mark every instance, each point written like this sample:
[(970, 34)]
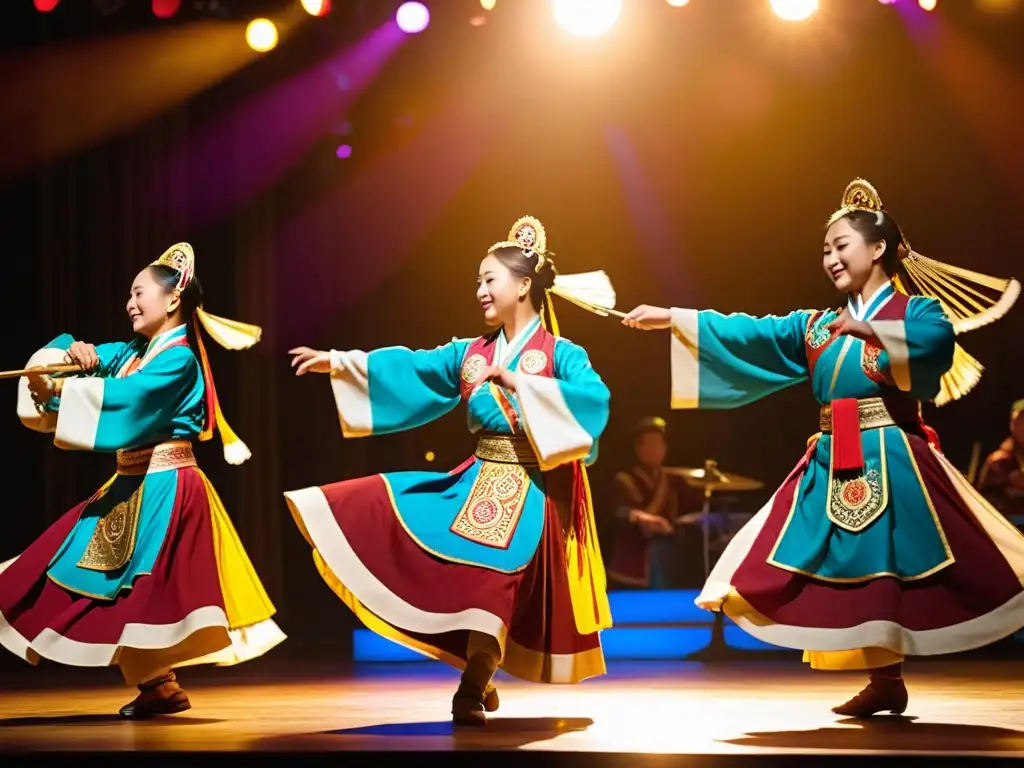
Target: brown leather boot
[(468, 702), (159, 696), (886, 691)]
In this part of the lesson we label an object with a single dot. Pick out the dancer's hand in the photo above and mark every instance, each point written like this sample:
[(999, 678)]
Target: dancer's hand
[(650, 524), (83, 355), (846, 325), (310, 361), (42, 387), (648, 318), (502, 376)]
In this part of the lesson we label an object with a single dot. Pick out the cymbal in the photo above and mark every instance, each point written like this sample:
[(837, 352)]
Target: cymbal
[(713, 479)]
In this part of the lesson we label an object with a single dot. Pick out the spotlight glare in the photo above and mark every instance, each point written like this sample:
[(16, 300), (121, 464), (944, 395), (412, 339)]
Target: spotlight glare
[(677, 3), (412, 17), (45, 6), (587, 18), (261, 35), (316, 7), (165, 9), (794, 10), (487, 5), (928, 5), (343, 152)]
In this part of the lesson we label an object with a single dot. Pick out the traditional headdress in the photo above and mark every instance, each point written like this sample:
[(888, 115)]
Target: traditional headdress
[(230, 334), (591, 291), (970, 299)]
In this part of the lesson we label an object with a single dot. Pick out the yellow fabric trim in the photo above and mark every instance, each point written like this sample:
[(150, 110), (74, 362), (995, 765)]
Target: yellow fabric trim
[(245, 601), (858, 658), (535, 666), (588, 583)]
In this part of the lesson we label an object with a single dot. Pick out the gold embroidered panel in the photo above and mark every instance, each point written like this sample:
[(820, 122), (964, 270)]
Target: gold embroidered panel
[(113, 542), (492, 511)]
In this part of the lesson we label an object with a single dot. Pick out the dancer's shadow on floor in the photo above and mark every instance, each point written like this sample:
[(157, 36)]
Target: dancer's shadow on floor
[(499, 733), (891, 734), (99, 719)]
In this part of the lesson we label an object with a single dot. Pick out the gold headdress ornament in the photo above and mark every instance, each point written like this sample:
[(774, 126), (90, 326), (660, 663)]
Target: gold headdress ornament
[(970, 299), (591, 291), (230, 334)]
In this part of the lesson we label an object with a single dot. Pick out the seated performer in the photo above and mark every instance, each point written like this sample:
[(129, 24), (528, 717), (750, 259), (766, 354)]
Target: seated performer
[(648, 552), (496, 563), (874, 547), (1001, 480), (148, 574)]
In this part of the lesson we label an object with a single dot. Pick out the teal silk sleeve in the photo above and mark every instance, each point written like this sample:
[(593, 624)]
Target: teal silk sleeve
[(920, 347), (584, 391), (408, 389), (162, 401), (564, 415), (725, 361)]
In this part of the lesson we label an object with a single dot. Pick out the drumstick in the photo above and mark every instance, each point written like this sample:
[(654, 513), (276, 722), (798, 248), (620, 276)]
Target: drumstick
[(42, 370)]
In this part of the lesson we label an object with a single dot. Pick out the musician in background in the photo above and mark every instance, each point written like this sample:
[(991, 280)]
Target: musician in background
[(647, 551), (1001, 479)]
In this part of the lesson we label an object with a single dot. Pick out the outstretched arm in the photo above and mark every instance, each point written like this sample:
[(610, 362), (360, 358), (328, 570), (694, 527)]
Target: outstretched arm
[(390, 389)]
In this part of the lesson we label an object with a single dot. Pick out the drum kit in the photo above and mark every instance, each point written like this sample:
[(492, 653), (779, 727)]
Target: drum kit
[(711, 480)]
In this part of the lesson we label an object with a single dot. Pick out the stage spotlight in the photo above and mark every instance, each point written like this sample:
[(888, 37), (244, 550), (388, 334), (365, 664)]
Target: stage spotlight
[(412, 17), (429, 456), (928, 5), (165, 9), (343, 152), (677, 3), (794, 10), (487, 5), (587, 18), (45, 6), (261, 35), (316, 7)]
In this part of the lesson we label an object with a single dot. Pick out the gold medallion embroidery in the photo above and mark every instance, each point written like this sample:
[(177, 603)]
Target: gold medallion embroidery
[(492, 511), (855, 503), (818, 334), (473, 367), (871, 363), (113, 542), (533, 361)]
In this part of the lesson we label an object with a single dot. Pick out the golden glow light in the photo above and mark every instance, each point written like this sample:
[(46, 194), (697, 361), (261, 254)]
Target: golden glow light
[(587, 18), (793, 10), (487, 5), (677, 3), (429, 456), (998, 7), (316, 7), (928, 5), (261, 35)]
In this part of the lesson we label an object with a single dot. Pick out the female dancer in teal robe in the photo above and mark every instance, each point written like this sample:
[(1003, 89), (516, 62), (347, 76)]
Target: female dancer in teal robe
[(874, 547), (495, 563), (148, 574)]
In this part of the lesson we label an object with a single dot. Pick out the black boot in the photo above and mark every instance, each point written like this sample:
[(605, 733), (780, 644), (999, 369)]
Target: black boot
[(159, 696), (886, 691), (468, 702)]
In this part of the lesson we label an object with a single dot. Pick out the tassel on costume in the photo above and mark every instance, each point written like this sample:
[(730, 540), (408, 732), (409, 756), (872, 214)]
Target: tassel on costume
[(240, 336)]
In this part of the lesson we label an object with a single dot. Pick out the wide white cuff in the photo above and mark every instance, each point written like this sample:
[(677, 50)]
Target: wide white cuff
[(684, 359), (350, 384), (78, 421), (28, 412), (555, 434), (893, 335)]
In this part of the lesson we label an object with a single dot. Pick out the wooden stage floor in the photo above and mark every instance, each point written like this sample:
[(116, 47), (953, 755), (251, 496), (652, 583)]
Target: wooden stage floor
[(752, 709)]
